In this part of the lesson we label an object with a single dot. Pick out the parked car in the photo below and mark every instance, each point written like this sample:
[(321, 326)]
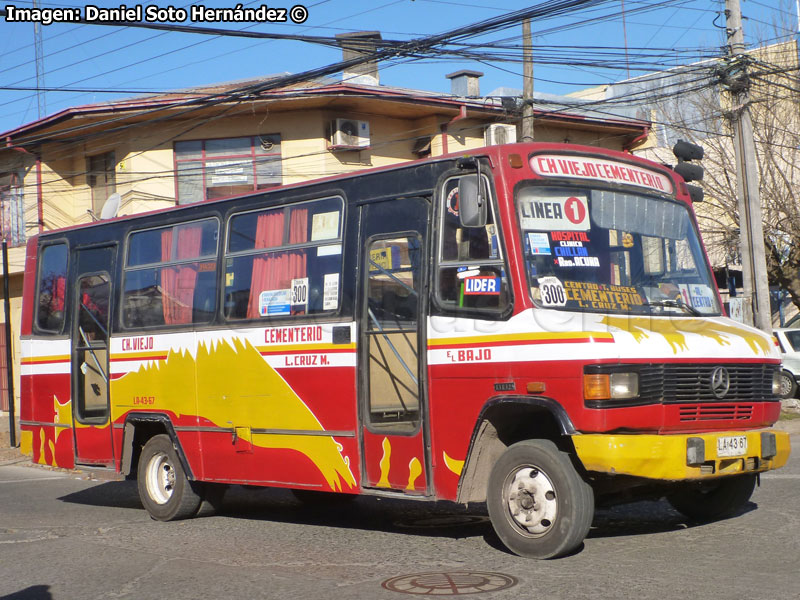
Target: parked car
[(793, 322), (789, 341)]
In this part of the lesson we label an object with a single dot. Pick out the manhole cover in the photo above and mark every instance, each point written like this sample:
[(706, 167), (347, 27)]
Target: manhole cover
[(450, 583)]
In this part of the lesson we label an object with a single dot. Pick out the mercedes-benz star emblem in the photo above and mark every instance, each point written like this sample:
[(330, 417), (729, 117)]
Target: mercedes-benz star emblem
[(720, 382)]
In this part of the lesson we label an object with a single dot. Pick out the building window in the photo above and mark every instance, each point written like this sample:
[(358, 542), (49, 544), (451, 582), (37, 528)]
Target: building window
[(12, 211), (209, 169), (101, 177)]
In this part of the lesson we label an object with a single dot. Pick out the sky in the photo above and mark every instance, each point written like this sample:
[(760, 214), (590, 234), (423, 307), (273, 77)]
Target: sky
[(84, 63)]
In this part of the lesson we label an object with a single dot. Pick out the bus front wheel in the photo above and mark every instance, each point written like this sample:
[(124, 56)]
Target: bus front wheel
[(164, 490), (714, 499), (538, 504)]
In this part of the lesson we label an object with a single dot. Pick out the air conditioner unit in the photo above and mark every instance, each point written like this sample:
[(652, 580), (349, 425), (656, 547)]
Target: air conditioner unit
[(348, 134), (500, 133)]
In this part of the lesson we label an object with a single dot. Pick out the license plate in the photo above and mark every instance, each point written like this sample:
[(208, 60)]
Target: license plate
[(732, 445)]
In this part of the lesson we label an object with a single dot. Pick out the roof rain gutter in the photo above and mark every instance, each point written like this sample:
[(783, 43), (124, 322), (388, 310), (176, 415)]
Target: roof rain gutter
[(631, 146), (462, 114)]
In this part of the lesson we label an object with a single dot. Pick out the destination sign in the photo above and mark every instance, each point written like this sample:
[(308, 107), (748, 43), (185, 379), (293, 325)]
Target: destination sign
[(585, 167)]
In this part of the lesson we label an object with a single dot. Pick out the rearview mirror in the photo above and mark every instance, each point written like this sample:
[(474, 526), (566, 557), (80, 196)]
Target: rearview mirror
[(472, 200)]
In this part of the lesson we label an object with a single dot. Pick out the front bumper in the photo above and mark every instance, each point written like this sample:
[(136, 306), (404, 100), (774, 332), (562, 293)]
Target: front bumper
[(674, 457)]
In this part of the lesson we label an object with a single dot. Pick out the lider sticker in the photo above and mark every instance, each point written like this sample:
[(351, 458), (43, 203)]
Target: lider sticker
[(483, 286)]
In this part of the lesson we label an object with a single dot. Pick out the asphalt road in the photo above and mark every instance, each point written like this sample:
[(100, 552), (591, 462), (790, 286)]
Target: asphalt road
[(65, 536)]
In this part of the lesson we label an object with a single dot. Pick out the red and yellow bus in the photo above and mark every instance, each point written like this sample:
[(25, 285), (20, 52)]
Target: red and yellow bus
[(533, 326)]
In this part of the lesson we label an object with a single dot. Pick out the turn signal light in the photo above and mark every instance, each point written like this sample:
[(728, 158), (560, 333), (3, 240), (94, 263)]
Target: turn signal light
[(610, 386), (596, 387), (515, 160)]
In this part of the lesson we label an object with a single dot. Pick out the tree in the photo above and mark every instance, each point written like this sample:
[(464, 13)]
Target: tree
[(703, 115)]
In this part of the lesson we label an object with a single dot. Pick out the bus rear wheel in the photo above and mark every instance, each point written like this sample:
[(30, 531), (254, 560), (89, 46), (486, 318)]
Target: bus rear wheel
[(164, 490), (538, 504), (714, 499)]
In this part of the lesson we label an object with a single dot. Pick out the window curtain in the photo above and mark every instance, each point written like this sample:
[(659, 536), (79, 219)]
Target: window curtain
[(178, 283), (275, 271), (58, 293)]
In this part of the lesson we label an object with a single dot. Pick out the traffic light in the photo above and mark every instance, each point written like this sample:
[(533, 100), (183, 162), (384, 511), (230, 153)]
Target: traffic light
[(685, 152)]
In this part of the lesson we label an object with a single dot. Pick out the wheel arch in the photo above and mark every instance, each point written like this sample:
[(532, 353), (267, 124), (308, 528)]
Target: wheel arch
[(503, 421), (139, 428)]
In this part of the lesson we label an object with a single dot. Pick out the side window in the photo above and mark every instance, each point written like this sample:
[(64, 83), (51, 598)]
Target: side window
[(52, 288), (471, 274), (171, 275), (393, 285), (94, 295), (285, 261)]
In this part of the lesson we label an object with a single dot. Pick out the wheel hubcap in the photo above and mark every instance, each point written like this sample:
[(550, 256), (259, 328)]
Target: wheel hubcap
[(531, 501), (160, 478), (786, 386)]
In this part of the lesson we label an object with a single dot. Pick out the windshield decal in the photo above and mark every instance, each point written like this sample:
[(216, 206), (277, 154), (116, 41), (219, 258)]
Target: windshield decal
[(474, 286), (551, 292), (539, 243), (569, 249), (602, 296), (567, 213), (701, 297)]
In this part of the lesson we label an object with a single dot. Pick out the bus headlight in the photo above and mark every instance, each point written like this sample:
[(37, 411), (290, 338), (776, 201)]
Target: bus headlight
[(776, 383), (610, 386)]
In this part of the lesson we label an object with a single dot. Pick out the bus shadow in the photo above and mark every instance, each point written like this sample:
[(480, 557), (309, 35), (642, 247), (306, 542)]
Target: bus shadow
[(113, 494), (369, 513), (36, 592), (372, 513), (646, 517), (281, 506)]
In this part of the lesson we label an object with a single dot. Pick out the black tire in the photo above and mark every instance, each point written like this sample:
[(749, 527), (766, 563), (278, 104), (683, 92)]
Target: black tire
[(788, 385), (714, 499), (164, 490), (539, 505), (318, 498), (212, 495)]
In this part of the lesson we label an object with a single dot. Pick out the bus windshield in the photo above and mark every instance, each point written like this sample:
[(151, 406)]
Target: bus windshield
[(614, 252)]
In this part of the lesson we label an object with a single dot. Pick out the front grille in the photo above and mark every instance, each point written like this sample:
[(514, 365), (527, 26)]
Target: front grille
[(715, 412), (682, 383), (691, 384)]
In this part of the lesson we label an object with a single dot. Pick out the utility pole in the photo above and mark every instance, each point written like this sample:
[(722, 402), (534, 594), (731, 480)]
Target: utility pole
[(625, 37), (527, 82), (754, 263), (39, 60)]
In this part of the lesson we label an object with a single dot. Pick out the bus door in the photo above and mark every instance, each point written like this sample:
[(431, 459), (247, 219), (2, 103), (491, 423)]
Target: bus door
[(90, 365), (392, 345)]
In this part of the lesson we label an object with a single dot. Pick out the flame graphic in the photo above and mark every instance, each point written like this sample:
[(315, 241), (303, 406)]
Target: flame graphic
[(675, 330), (456, 466), (414, 471), (232, 384)]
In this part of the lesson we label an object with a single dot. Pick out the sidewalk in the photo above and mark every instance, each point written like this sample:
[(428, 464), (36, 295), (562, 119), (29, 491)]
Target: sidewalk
[(9, 455)]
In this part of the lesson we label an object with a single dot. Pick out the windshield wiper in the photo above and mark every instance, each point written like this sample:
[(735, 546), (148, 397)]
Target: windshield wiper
[(676, 304)]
